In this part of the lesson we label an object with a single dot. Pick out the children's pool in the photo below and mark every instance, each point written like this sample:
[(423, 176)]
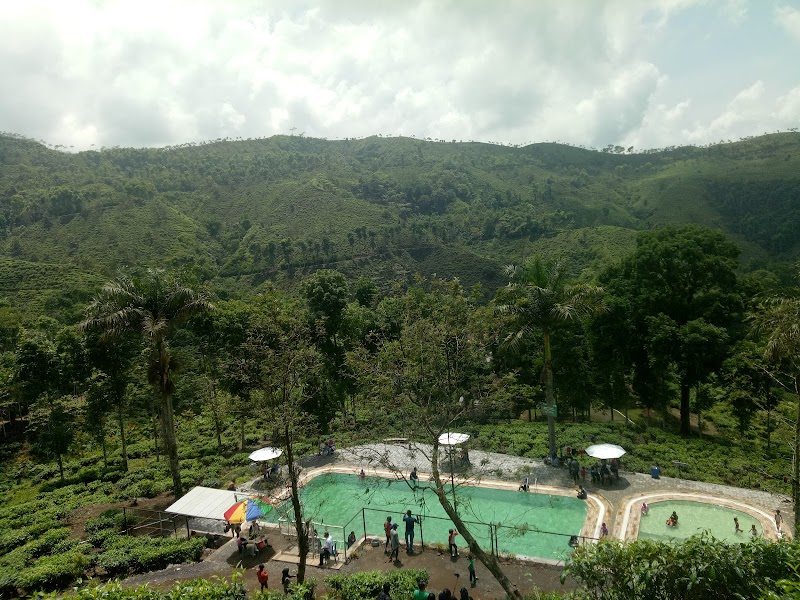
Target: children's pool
[(531, 524), (694, 517)]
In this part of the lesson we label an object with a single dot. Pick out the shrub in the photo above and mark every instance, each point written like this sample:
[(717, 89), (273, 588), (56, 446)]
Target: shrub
[(47, 542), (12, 538), (113, 518), (367, 584), (198, 589), (701, 567), (53, 572), (87, 474), (126, 554), (113, 476)]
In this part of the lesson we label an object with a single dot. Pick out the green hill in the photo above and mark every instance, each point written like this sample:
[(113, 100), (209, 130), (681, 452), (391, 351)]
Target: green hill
[(242, 212)]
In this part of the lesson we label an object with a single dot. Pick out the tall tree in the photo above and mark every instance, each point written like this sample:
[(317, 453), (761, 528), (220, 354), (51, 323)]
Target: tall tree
[(288, 366), (113, 358), (326, 294), (681, 291), (51, 425), (778, 321), (432, 367), (537, 300), (152, 305)]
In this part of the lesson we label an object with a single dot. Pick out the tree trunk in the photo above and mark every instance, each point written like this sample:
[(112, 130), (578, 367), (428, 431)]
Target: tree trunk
[(170, 443), (796, 473), (105, 449), (549, 394), (123, 440), (686, 426), (488, 560), (300, 524), (61, 467), (168, 420)]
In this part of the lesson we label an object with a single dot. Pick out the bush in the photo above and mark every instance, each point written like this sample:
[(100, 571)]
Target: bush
[(198, 589), (113, 518), (87, 474), (367, 584), (125, 554), (113, 476), (53, 572), (47, 542), (701, 567), (12, 538)]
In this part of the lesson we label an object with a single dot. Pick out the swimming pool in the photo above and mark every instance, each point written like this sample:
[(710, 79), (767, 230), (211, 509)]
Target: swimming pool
[(532, 524), (693, 518)]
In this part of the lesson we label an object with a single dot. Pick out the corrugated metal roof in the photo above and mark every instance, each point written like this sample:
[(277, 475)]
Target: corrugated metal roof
[(205, 503)]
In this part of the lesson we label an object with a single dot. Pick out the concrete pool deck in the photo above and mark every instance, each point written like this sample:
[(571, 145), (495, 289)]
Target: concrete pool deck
[(615, 504)]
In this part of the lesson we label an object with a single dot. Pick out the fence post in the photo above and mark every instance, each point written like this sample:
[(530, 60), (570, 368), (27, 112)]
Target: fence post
[(125, 519), (364, 522)]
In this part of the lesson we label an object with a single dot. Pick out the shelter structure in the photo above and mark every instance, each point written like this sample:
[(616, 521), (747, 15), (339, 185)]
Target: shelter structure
[(204, 507)]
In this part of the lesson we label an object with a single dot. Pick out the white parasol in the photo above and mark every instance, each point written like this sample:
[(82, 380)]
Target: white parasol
[(605, 451), (267, 453), (453, 439)]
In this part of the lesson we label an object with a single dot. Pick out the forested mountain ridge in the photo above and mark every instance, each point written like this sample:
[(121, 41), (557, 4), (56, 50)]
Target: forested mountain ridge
[(242, 212)]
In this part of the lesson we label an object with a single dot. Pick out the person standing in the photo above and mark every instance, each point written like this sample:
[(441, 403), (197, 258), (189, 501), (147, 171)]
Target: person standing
[(753, 531), (387, 529), (263, 577), (603, 530), (395, 544), (451, 543), (420, 593), (410, 521), (286, 579), (778, 520), (473, 579), (384, 593)]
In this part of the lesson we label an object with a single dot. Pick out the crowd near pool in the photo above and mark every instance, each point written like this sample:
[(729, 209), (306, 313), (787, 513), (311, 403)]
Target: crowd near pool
[(693, 518), (531, 524)]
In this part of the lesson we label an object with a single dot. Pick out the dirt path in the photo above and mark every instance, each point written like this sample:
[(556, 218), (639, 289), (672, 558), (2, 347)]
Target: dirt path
[(442, 569)]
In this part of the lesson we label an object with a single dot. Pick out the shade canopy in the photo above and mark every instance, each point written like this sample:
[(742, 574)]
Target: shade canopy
[(453, 439), (247, 510), (267, 453), (605, 451)]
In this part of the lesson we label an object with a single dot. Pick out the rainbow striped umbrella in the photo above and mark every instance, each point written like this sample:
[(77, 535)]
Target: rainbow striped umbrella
[(249, 509)]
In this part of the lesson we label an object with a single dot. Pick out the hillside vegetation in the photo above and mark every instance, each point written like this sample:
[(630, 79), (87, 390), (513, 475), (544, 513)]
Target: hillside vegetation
[(243, 212)]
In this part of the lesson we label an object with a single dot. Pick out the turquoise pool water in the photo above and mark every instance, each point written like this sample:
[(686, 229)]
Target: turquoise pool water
[(531, 523), (694, 517)]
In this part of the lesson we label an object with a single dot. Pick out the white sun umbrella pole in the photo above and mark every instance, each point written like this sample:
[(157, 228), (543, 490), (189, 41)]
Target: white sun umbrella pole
[(451, 438)]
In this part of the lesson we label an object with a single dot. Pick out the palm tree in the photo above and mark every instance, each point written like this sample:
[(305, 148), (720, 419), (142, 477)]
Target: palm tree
[(150, 306), (537, 298), (778, 320)]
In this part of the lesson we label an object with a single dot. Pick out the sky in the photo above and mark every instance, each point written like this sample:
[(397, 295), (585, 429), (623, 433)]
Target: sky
[(642, 73)]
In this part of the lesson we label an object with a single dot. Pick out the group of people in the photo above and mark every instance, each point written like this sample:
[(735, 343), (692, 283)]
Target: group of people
[(392, 546), (422, 594), (737, 529), (263, 578), (327, 448)]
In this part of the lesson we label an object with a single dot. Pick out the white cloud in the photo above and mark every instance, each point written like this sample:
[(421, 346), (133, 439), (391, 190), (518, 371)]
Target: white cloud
[(171, 71), (789, 18)]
